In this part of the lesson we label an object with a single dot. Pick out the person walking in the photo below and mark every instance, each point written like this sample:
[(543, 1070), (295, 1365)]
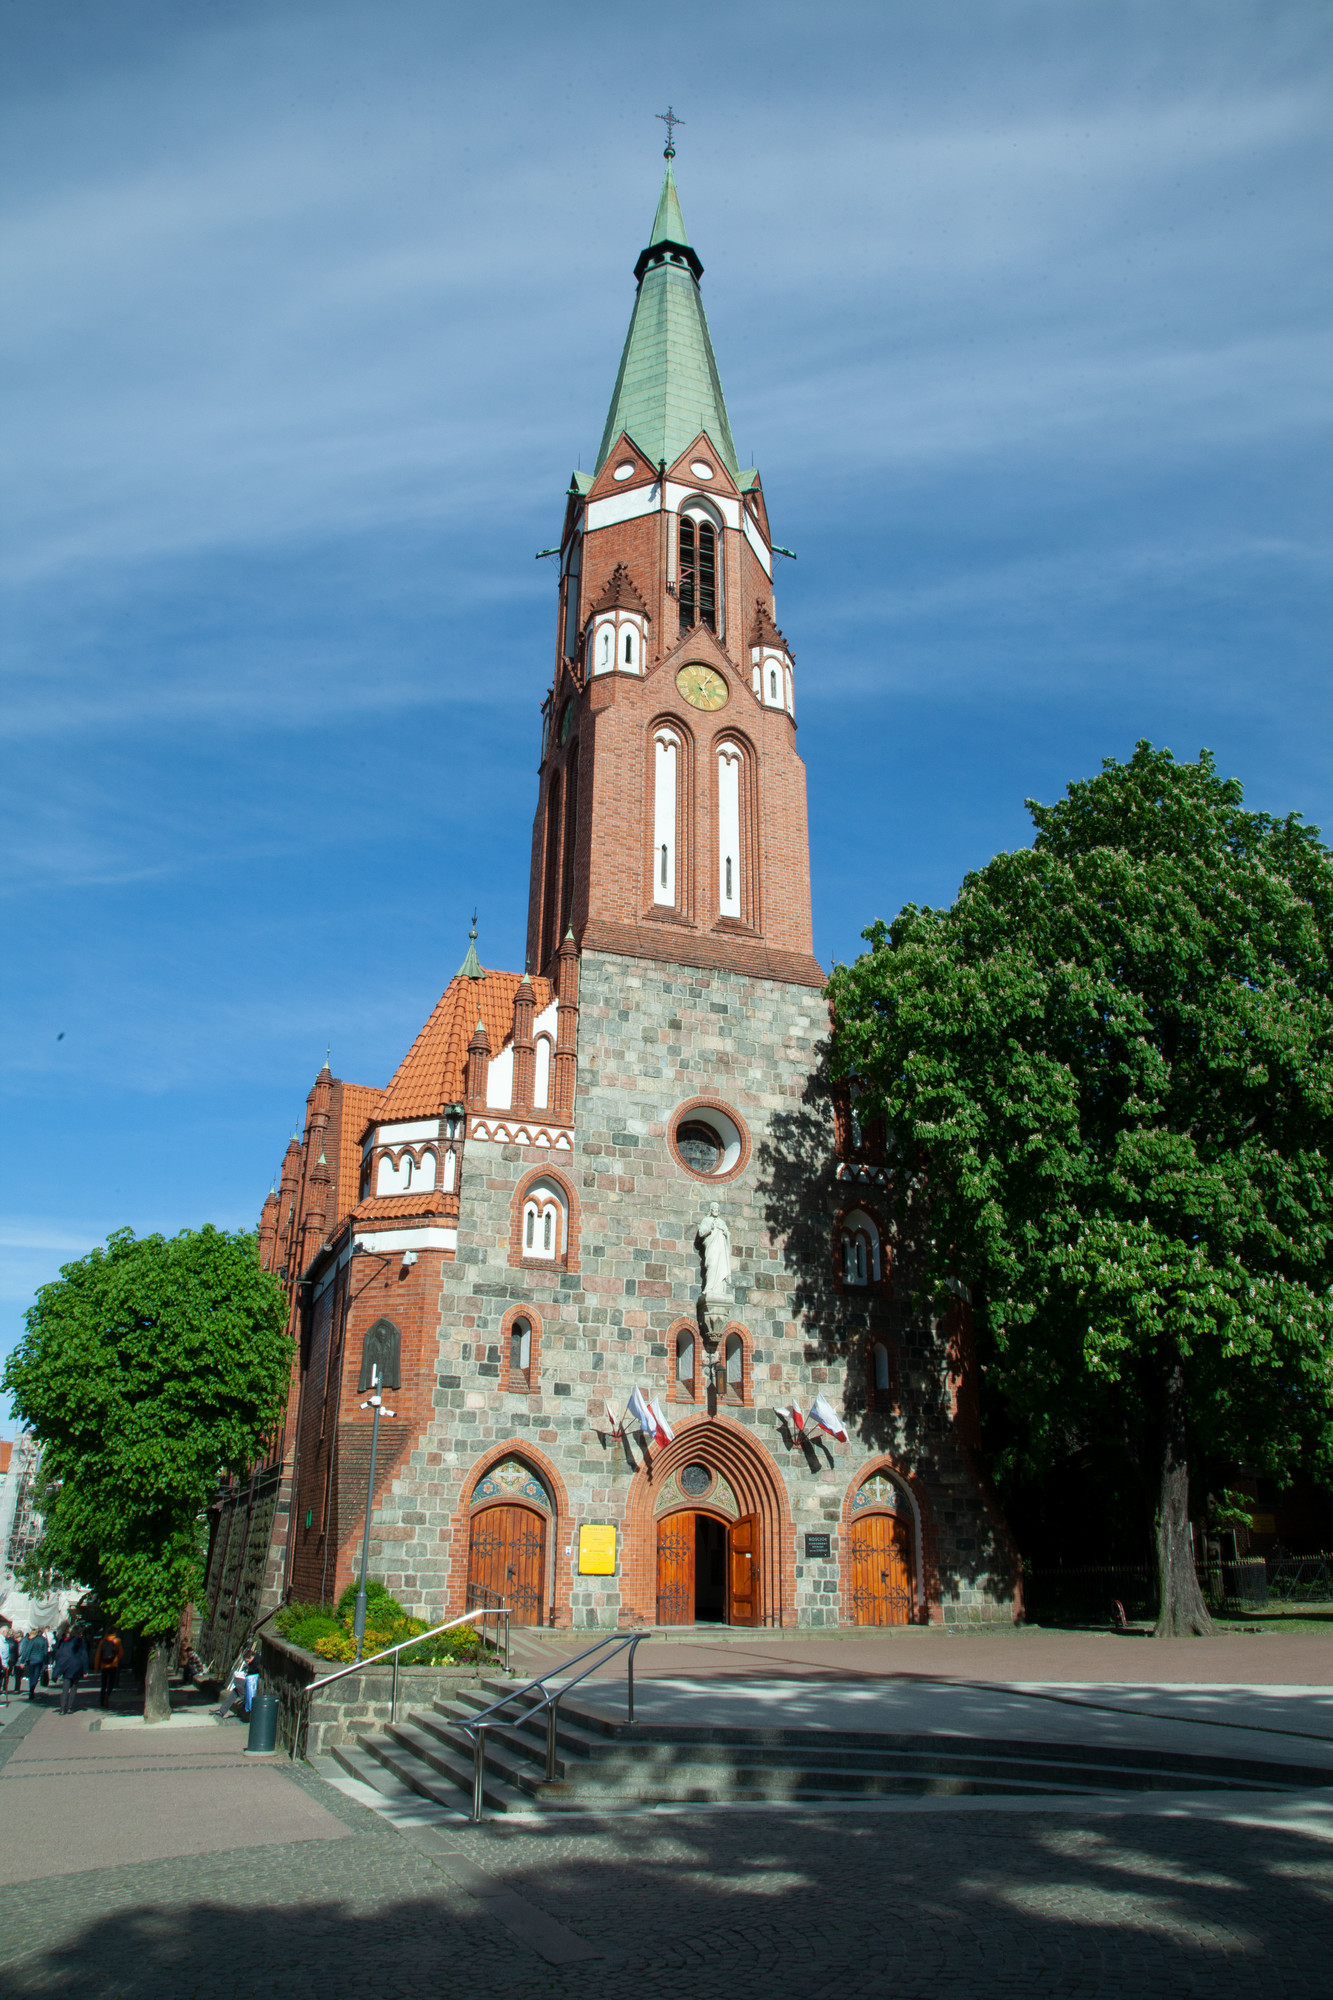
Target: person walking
[(107, 1660), (71, 1666), (9, 1659), (32, 1661)]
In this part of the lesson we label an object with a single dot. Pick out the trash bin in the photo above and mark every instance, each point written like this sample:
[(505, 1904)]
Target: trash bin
[(263, 1723)]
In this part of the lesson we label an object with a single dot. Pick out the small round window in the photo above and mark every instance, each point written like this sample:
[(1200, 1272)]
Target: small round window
[(694, 1480), (707, 1141)]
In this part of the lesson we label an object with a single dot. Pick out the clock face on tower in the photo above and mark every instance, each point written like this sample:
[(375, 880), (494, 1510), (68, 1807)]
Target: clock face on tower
[(702, 687)]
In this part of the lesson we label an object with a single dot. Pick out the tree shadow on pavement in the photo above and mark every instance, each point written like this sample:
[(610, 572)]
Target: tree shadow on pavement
[(753, 1905)]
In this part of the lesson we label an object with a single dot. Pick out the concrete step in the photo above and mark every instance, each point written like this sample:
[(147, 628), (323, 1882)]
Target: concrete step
[(598, 1747)]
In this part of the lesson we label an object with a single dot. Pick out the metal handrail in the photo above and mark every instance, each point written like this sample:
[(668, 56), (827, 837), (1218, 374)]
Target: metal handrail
[(419, 1639), (550, 1700)]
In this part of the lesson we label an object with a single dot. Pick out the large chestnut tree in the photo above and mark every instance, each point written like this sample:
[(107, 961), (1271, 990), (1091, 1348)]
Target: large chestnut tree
[(1107, 1070)]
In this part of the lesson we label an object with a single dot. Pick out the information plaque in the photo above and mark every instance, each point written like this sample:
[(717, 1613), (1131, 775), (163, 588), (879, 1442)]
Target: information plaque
[(818, 1545), (597, 1551)]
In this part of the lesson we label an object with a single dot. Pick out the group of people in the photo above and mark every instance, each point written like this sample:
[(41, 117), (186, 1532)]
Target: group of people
[(39, 1658)]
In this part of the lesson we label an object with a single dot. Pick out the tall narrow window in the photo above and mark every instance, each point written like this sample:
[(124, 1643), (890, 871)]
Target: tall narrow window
[(629, 648), (729, 829), (520, 1355), (571, 840), (572, 568), (685, 1363), (541, 1081), (666, 769), (543, 1222), (698, 573), (551, 885), (773, 684), (734, 1371)]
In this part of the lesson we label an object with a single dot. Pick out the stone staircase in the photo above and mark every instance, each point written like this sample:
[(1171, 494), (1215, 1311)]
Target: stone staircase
[(604, 1764)]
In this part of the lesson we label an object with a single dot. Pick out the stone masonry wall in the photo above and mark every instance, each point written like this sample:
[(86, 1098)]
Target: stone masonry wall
[(652, 1037)]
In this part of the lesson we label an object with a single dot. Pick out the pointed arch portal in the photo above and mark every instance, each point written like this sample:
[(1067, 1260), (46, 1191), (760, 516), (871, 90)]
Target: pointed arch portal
[(721, 1560)]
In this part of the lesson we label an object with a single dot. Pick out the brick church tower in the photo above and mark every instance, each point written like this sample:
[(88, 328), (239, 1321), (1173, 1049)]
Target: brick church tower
[(623, 1168)]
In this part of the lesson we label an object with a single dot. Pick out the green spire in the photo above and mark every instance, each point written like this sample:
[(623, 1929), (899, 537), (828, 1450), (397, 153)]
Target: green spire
[(668, 388), (471, 968), (669, 223)]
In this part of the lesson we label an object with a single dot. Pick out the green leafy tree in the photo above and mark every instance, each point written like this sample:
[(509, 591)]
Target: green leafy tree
[(1108, 1070), (149, 1368)]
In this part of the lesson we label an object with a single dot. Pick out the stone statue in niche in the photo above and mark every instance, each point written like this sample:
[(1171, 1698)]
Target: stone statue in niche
[(714, 1240), (381, 1346)]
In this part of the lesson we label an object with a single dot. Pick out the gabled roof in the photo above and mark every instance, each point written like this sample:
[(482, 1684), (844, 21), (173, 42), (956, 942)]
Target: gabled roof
[(360, 1106), (668, 388), (621, 594), (430, 1075), (764, 632)]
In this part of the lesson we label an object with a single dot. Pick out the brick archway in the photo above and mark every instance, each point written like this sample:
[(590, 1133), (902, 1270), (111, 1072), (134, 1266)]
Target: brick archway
[(930, 1609), (751, 1471), (460, 1526)]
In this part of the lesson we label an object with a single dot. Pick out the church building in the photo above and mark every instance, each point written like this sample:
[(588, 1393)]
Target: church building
[(620, 1177)]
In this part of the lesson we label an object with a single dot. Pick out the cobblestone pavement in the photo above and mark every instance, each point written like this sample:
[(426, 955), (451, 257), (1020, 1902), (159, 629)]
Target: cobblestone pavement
[(755, 1905)]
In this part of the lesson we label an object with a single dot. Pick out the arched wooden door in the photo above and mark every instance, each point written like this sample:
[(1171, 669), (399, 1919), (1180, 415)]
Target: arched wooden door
[(883, 1583), (743, 1571), (507, 1555)]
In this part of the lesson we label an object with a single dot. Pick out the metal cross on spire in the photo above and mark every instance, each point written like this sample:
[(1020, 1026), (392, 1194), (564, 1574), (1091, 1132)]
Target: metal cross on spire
[(670, 120)]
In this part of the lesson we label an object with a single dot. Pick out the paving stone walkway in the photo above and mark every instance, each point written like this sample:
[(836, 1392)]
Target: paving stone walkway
[(314, 1893)]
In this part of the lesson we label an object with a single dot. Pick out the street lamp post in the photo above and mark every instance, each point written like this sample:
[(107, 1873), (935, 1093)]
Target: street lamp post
[(375, 1403)]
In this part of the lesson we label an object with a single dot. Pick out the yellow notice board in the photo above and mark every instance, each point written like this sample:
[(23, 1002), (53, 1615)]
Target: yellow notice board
[(597, 1551)]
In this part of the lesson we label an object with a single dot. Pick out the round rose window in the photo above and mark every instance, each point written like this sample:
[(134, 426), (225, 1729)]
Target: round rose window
[(707, 1141), (694, 1480)]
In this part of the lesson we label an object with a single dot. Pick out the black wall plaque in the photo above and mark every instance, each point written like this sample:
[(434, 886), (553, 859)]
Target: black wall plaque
[(818, 1545)]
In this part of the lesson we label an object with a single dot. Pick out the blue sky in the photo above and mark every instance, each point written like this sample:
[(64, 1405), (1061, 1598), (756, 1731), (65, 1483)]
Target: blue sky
[(1021, 308)]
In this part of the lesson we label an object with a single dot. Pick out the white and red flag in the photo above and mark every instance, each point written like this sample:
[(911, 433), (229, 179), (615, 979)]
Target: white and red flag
[(795, 1416), (823, 1413), (664, 1431), (651, 1426)]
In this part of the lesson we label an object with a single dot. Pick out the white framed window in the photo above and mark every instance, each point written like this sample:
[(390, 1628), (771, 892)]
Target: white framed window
[(729, 760), (666, 781), (450, 1171), (543, 1224), (604, 647), (520, 1354), (860, 1249)]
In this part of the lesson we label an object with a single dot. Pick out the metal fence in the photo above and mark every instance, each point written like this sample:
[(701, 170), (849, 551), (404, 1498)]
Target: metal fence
[(1088, 1594)]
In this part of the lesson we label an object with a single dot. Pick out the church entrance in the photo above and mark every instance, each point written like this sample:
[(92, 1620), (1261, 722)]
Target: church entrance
[(507, 1557), (883, 1590), (706, 1570)]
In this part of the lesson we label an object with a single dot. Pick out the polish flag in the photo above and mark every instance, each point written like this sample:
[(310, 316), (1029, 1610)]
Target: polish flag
[(651, 1427), (823, 1413), (664, 1431), (795, 1417)]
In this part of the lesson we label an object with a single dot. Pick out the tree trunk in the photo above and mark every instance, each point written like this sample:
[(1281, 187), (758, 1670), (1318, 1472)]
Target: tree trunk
[(156, 1697), (1182, 1612)]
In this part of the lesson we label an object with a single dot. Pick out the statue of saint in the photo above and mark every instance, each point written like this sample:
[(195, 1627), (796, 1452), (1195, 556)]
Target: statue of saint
[(715, 1239)]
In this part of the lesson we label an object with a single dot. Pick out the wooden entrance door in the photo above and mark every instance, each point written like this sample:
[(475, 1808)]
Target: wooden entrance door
[(882, 1571), (508, 1556), (743, 1571), (675, 1570)]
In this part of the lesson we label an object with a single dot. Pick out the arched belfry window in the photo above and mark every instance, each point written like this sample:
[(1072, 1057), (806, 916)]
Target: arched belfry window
[(698, 586), (380, 1348), (666, 789)]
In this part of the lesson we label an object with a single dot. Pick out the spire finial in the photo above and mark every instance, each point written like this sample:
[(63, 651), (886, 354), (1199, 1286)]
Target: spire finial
[(670, 120), (471, 968)]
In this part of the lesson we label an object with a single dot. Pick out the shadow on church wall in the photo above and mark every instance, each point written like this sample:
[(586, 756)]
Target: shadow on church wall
[(931, 1425)]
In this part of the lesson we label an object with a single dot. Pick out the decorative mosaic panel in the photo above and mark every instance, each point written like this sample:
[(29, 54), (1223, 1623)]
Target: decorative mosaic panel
[(719, 1495), (880, 1491), (512, 1480)]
